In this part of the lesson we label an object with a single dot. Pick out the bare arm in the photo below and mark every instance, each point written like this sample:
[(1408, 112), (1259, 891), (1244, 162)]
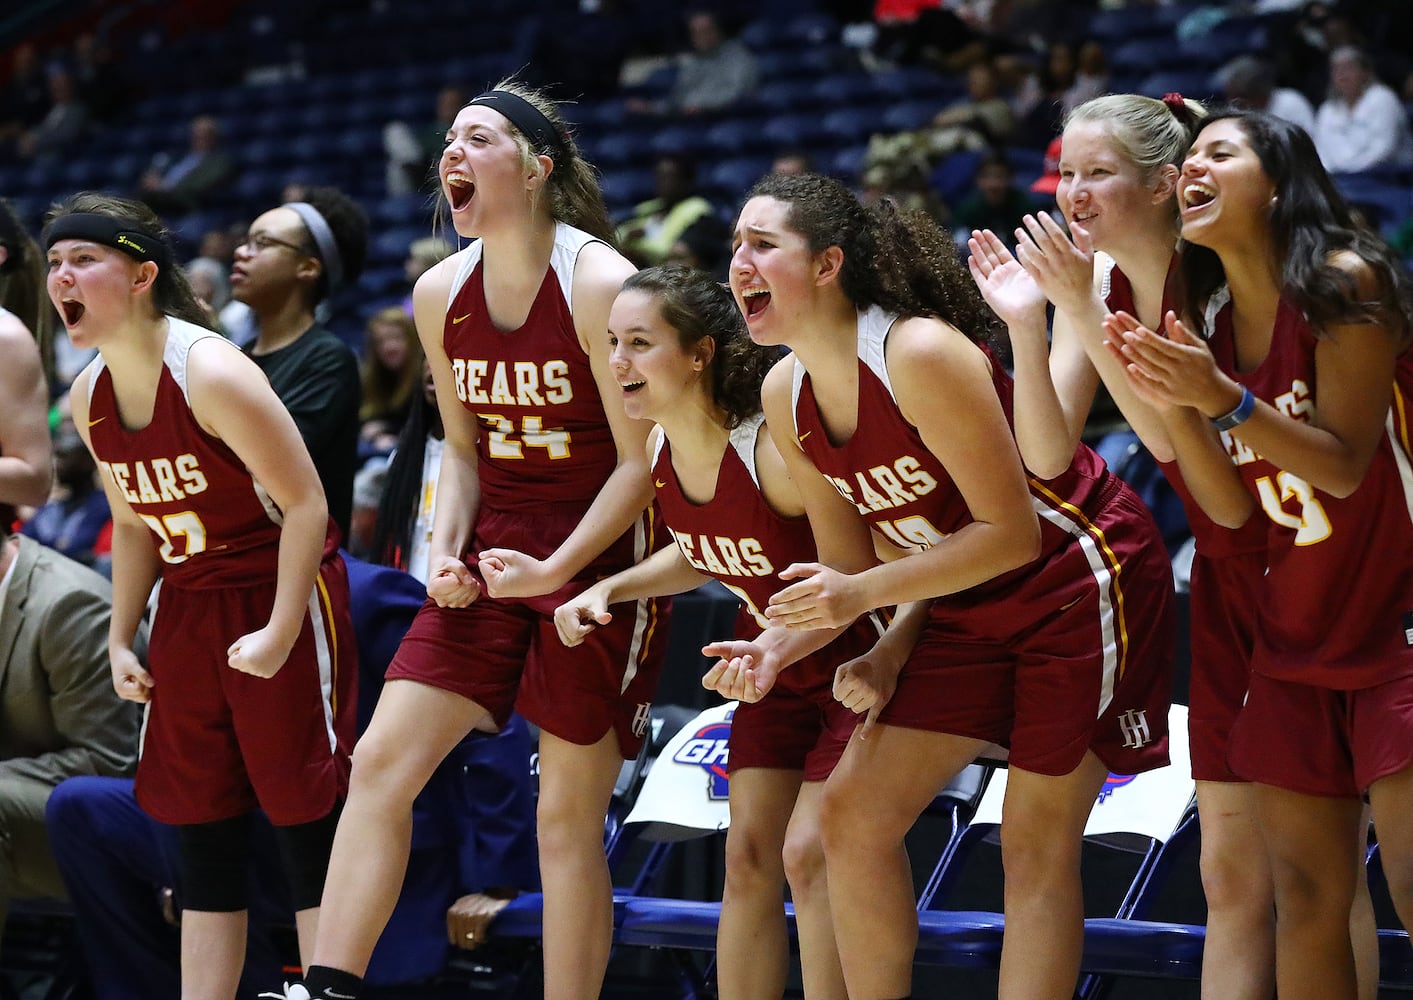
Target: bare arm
[(26, 459), (232, 399), (135, 567)]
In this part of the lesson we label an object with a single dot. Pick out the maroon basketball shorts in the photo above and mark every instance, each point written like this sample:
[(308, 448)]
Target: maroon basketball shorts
[(1223, 627)]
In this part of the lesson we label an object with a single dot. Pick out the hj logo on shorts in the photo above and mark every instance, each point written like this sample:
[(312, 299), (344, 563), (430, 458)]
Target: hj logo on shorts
[(641, 718), (1134, 725)]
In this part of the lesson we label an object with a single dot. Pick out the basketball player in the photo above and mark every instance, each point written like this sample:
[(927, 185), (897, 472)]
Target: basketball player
[(543, 487), (251, 689), (1305, 373), (683, 358), (1033, 639)]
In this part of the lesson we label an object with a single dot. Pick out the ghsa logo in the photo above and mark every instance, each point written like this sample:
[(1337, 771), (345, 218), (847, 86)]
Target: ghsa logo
[(707, 749), (1113, 783)]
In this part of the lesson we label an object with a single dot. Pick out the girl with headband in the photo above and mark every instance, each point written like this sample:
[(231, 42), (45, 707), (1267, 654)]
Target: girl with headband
[(543, 489), (25, 319), (1051, 620), (1118, 177), (1285, 393), (249, 683), (683, 357)]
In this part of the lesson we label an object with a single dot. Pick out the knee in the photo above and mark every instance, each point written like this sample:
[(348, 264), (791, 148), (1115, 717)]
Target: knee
[(565, 827), (804, 861), (1235, 883), (1306, 889), (752, 859), (846, 825), (384, 772), (1032, 855)]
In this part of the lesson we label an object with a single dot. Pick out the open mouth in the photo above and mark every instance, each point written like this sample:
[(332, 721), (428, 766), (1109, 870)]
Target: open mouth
[(632, 387), (757, 301), (459, 190), (1197, 196), (73, 311)]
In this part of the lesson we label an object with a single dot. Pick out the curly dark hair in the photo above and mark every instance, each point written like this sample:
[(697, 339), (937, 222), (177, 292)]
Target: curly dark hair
[(694, 304), (1310, 223), (903, 262), (171, 292), (349, 224)]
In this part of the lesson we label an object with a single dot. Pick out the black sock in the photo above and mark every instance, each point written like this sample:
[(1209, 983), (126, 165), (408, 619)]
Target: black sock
[(324, 983)]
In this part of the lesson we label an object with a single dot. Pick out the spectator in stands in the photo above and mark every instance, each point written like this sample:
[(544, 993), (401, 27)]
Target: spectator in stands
[(63, 124), (59, 714), (648, 234), (1249, 81), (179, 185), (715, 73), (1362, 125), (791, 161), (391, 375), (101, 85), (411, 146), (26, 318), (995, 204), (25, 98), (983, 119), (73, 518), (293, 257), (402, 536), (423, 255), (705, 246), (1066, 80)]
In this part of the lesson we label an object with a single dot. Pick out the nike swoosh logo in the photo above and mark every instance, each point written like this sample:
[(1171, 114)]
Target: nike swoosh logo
[(460, 319), (659, 483), (804, 435), (95, 423)]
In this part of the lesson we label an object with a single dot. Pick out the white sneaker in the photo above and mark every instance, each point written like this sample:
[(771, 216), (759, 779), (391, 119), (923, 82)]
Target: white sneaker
[(292, 991)]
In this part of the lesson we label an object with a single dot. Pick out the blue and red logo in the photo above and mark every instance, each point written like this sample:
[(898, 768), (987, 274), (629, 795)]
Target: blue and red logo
[(707, 749), (1113, 783)]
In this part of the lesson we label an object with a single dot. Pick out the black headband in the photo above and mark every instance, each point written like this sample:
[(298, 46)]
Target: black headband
[(110, 232), (529, 119)]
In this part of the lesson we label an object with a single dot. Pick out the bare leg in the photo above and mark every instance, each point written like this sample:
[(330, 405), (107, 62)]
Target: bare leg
[(213, 953), (1042, 828), (1239, 956), (752, 950), (1363, 927), (809, 888), (1308, 840), (413, 728), (576, 784), (1392, 799), (869, 803), (306, 929)]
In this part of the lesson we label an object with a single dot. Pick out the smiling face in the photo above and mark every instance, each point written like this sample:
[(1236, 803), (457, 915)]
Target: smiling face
[(657, 373), (482, 170), (1224, 193), (1103, 190), (93, 287), (772, 272)]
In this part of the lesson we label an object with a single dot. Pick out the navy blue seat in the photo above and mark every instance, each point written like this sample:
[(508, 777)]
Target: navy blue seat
[(730, 179), (1383, 203), (908, 115), (850, 126), (1132, 21), (732, 137), (1147, 55), (1190, 83), (805, 131)]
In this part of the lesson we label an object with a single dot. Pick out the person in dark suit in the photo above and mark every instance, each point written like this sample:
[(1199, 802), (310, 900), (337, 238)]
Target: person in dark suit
[(177, 185), (59, 714)]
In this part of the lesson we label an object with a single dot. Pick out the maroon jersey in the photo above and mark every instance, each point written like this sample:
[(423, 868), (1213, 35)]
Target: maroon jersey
[(1337, 609), (886, 470), (543, 432), (734, 537), (212, 523)]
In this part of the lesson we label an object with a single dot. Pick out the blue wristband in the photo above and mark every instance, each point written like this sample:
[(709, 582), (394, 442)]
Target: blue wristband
[(1240, 415)]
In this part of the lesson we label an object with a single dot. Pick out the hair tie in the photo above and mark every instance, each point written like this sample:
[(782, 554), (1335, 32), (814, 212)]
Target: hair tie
[(1178, 106)]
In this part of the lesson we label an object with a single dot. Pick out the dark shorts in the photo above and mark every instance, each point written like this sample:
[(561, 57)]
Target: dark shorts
[(217, 743), (1318, 741), (1223, 622), (505, 655), (1079, 656)]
